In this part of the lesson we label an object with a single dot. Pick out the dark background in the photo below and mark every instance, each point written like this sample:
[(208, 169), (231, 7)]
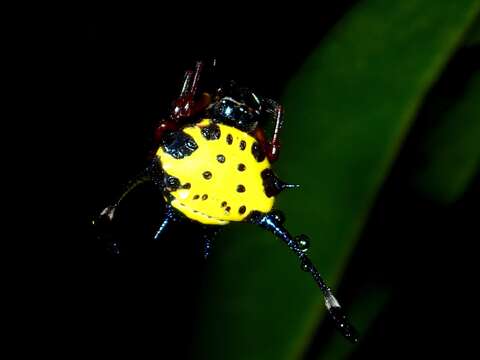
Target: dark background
[(101, 81)]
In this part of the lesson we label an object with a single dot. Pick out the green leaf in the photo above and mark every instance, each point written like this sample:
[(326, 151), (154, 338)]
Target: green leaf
[(451, 151), (473, 36), (347, 111)]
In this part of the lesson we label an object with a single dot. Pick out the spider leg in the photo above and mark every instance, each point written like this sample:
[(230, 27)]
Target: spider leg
[(108, 213), (152, 173), (103, 222), (186, 105), (273, 222), (272, 146), (209, 234), (170, 217)]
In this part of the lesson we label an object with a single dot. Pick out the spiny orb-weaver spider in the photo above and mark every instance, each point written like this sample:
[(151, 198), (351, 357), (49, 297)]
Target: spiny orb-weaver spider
[(212, 164)]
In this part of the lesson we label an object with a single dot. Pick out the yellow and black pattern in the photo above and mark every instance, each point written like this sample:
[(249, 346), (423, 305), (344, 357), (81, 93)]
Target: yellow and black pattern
[(220, 180)]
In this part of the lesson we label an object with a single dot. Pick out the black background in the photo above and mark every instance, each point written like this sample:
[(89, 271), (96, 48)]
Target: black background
[(98, 80)]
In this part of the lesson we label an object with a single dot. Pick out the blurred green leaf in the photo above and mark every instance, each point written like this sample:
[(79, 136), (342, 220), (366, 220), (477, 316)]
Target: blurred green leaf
[(473, 36), (451, 152), (450, 158), (348, 109)]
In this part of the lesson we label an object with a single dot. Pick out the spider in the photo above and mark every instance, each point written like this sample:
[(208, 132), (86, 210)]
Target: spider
[(212, 164)]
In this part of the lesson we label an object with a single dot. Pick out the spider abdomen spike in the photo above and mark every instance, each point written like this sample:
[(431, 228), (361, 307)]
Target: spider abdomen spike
[(273, 185)]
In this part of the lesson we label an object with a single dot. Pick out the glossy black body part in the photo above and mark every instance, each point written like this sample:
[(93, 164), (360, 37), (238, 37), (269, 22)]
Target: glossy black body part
[(178, 144), (238, 107)]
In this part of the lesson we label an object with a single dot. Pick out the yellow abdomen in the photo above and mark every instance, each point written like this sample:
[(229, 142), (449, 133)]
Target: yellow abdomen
[(221, 180)]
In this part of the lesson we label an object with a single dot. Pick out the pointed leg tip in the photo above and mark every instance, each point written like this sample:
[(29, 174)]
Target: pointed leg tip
[(104, 219), (347, 329), (350, 334), (291, 186), (108, 212), (340, 320)]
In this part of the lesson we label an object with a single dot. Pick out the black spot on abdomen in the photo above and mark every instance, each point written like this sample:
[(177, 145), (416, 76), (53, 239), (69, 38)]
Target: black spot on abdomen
[(211, 132), (178, 144), (171, 183), (207, 175)]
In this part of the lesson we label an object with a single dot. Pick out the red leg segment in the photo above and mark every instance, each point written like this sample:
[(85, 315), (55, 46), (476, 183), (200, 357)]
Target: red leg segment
[(272, 147), (186, 105), (274, 144)]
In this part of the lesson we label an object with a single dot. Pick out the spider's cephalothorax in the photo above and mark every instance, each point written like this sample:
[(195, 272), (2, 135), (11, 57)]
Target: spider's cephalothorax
[(238, 107), (213, 166)]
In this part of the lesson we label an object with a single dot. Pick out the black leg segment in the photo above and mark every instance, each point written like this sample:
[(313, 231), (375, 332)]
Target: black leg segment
[(151, 173), (273, 222), (170, 217)]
